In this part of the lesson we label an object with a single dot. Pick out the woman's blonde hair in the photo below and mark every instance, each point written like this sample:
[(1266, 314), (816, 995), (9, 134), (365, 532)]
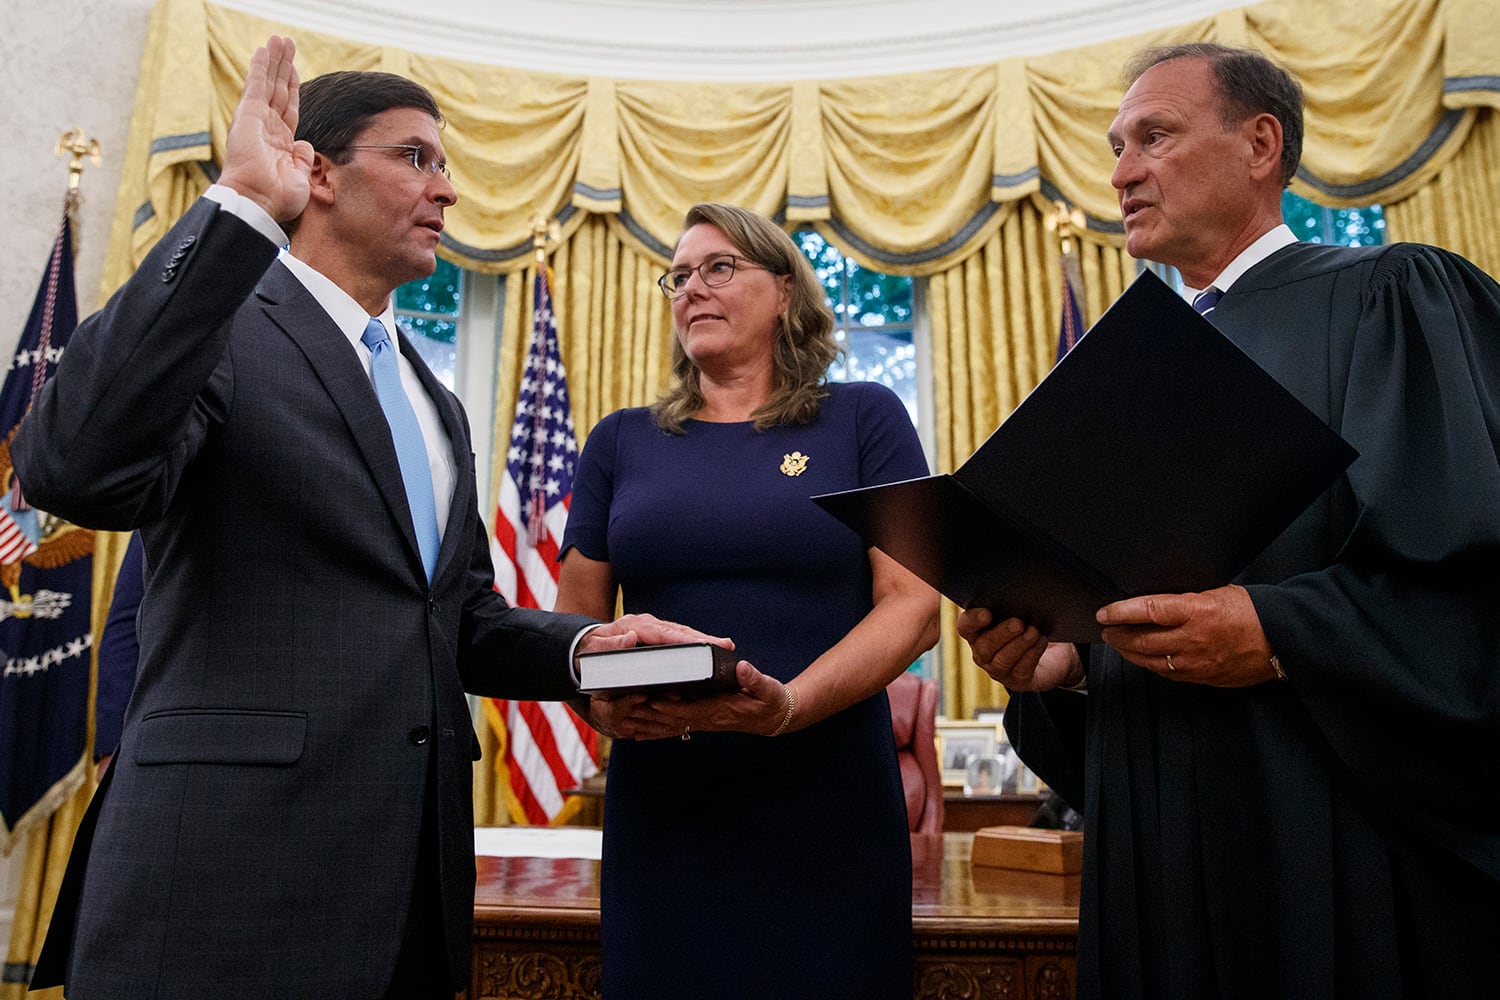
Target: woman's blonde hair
[(803, 347)]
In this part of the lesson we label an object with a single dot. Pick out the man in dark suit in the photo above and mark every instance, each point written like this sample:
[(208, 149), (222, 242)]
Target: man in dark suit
[(1288, 782), (289, 812), (118, 652)]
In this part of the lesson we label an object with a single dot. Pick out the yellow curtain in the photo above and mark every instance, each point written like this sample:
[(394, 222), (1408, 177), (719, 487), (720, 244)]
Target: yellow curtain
[(1460, 208), (995, 322), (613, 328), (909, 173)]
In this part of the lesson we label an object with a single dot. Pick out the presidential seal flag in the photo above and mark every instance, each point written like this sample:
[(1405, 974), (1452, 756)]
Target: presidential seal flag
[(545, 748), (46, 566)]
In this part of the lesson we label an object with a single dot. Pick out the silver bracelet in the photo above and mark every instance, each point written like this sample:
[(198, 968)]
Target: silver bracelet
[(791, 706)]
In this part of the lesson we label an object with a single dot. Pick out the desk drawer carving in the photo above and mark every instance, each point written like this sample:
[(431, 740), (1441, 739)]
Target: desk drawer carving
[(982, 935)]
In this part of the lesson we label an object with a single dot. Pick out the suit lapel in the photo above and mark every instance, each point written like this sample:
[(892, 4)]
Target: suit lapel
[(297, 314)]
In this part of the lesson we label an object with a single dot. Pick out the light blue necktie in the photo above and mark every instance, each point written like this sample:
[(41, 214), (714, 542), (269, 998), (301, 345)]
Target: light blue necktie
[(406, 434), (1205, 300)]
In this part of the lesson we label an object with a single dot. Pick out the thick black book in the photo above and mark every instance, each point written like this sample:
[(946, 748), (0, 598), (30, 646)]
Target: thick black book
[(1156, 457), (691, 669)]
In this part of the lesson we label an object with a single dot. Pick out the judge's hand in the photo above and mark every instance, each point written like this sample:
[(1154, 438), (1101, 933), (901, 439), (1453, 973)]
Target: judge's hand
[(263, 161), (1214, 637), (1017, 655), (757, 707)]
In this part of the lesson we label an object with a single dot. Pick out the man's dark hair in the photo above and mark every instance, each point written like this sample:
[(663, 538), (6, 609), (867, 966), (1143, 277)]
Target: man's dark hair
[(334, 108), (1249, 84)]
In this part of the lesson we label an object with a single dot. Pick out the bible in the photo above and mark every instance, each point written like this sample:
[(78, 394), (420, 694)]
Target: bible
[(1156, 457), (691, 669)]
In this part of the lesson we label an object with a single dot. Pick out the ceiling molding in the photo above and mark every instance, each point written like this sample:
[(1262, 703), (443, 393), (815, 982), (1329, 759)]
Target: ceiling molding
[(732, 40)]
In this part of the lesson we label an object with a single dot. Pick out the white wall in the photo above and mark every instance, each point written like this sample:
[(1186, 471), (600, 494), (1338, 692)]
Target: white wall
[(66, 64)]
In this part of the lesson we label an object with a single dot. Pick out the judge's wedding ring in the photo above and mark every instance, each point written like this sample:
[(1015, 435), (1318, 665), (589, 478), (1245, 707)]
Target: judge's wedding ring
[(687, 732), (1169, 667)]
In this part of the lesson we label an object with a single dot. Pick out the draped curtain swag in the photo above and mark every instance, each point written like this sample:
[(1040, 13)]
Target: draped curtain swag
[(946, 175)]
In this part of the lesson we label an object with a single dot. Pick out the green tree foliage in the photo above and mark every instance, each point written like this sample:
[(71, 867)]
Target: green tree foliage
[(873, 316), (1313, 223)]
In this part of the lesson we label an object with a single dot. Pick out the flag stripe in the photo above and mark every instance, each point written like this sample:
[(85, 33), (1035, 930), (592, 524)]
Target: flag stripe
[(533, 569), (14, 544)]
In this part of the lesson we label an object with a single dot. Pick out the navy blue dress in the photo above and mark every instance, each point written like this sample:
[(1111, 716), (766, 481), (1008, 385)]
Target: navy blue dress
[(738, 865)]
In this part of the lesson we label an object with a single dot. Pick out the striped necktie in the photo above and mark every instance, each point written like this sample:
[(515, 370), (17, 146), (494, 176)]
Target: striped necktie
[(1205, 300), (406, 434)]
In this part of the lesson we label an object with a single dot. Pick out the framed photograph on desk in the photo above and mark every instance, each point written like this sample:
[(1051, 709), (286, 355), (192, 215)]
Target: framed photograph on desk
[(960, 742)]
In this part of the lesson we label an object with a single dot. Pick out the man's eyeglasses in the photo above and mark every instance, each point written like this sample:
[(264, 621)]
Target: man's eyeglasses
[(715, 270), (421, 157)]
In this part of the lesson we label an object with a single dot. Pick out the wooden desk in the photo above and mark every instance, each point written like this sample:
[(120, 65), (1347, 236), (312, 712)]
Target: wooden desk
[(984, 934), (967, 813)]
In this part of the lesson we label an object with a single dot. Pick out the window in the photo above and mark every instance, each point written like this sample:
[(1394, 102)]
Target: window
[(875, 321), (874, 318), (1313, 223), (1350, 227), (451, 317), (430, 308)]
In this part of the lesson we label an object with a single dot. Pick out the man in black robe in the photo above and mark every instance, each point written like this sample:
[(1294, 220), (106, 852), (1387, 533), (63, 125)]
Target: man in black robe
[(1289, 783)]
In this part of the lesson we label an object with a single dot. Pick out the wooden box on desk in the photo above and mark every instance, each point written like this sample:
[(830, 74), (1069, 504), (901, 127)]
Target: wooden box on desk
[(1024, 848)]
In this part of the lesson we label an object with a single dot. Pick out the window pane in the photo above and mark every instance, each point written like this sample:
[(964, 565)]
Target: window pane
[(438, 293), (437, 341), (872, 320), (1350, 227), (428, 309), (876, 299), (884, 356)]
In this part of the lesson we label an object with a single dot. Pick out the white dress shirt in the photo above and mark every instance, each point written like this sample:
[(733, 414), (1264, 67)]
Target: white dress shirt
[(351, 319), (1271, 241)]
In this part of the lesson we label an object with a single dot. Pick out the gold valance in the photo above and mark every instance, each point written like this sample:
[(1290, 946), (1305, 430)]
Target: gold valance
[(909, 174)]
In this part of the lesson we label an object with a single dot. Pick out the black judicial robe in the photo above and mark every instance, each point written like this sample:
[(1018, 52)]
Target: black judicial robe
[(1338, 834)]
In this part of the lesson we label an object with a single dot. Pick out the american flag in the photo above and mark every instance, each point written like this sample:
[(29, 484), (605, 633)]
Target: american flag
[(544, 747)]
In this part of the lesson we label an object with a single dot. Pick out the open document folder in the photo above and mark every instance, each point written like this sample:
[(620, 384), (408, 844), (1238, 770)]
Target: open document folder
[(1156, 457)]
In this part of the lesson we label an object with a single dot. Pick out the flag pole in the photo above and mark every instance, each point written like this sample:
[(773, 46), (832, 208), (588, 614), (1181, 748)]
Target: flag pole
[(543, 230), (1066, 220), (79, 147), (546, 750)]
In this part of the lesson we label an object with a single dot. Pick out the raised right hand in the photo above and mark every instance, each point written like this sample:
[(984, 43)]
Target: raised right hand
[(263, 160), (1017, 655)]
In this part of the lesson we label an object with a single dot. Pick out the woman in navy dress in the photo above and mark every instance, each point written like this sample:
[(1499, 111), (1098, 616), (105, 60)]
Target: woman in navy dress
[(755, 843)]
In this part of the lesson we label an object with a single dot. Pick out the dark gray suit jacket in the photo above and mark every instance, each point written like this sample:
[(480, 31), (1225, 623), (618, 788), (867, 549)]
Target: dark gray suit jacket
[(300, 682)]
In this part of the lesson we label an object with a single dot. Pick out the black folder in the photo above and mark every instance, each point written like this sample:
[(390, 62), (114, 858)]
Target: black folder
[(1156, 457)]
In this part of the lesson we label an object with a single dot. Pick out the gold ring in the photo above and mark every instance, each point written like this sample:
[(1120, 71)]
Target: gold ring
[(1169, 667), (687, 732)]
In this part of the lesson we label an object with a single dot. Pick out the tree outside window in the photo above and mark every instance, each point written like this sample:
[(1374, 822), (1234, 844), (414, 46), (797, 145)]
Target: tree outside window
[(429, 309), (1350, 227), (873, 319)]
